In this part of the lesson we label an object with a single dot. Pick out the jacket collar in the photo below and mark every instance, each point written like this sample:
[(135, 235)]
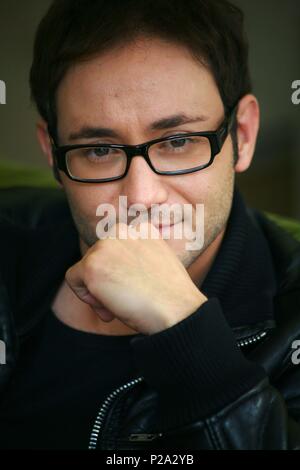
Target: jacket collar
[(51, 250)]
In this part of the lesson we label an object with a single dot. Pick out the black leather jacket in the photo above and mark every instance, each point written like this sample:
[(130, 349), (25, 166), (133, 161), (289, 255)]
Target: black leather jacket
[(267, 416)]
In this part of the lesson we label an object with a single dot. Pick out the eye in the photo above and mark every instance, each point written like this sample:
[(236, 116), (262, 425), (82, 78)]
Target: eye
[(98, 152), (178, 143)]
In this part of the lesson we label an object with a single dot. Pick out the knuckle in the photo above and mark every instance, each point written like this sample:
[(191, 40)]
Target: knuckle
[(68, 275), (90, 265)]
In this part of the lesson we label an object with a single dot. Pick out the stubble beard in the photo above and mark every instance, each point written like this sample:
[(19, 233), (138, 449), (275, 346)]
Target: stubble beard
[(216, 216)]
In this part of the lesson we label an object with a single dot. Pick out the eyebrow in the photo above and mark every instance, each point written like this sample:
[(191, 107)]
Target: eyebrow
[(161, 124)]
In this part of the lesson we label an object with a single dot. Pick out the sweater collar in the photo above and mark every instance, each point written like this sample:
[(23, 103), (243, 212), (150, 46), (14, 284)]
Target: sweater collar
[(242, 276)]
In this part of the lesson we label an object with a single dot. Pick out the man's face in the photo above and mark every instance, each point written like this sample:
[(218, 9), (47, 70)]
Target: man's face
[(127, 90)]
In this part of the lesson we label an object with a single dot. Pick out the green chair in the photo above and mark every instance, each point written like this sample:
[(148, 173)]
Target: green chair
[(15, 175)]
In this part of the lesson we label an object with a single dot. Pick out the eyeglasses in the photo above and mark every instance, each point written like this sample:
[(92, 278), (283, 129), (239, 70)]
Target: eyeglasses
[(174, 155)]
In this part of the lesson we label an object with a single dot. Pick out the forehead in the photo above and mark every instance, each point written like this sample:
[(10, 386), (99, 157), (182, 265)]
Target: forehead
[(148, 74)]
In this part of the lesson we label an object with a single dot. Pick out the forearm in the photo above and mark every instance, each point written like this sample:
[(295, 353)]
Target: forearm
[(203, 378)]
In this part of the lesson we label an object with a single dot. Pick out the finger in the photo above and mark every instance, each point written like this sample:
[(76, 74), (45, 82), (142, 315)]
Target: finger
[(76, 283), (74, 277), (104, 314)]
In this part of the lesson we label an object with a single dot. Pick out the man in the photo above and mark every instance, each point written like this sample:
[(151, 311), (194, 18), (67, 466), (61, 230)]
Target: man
[(133, 342)]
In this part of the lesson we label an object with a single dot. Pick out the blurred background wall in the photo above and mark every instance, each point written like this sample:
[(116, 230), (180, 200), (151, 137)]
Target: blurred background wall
[(273, 181)]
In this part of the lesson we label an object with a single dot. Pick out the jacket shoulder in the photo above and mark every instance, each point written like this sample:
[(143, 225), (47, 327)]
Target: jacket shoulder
[(283, 237), (31, 208), (292, 226)]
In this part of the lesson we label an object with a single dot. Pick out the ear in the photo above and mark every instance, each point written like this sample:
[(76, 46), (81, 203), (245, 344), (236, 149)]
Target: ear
[(45, 144), (44, 140), (248, 118)]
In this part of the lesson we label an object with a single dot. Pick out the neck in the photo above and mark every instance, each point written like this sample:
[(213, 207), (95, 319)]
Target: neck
[(199, 269)]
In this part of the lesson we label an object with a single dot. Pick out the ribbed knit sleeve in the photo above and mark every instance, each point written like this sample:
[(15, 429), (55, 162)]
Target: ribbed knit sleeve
[(195, 366)]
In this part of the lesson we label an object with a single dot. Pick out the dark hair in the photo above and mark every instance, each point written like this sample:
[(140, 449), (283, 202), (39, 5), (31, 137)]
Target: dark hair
[(73, 30)]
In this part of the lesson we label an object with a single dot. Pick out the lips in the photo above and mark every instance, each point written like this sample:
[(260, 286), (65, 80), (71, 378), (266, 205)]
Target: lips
[(162, 227)]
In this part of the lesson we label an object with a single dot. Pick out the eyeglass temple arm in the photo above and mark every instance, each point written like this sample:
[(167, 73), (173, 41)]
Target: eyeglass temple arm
[(224, 130)]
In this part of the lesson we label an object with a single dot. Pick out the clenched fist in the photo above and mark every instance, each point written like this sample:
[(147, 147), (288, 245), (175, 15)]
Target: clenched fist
[(139, 281)]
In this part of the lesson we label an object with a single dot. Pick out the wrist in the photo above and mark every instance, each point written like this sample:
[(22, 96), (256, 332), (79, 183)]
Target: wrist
[(184, 308)]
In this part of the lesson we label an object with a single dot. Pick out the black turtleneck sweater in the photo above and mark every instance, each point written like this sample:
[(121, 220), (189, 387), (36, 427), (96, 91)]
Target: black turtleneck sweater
[(242, 276), (64, 375)]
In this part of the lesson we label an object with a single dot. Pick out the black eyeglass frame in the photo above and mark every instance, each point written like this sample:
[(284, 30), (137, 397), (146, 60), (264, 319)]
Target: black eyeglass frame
[(216, 140)]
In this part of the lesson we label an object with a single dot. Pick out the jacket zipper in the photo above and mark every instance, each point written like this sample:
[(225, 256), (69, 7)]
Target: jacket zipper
[(251, 339), (103, 410), (94, 437)]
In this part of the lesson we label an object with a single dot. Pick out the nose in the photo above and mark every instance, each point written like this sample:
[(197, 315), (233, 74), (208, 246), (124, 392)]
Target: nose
[(142, 186)]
